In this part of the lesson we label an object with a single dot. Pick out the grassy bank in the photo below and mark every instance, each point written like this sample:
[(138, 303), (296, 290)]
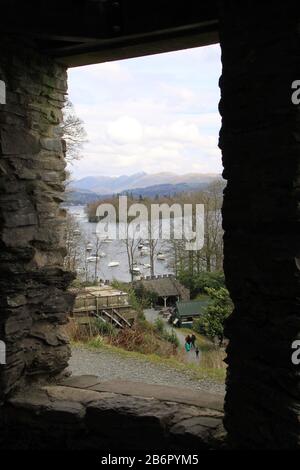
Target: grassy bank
[(212, 356), (150, 343), (204, 343), (99, 343)]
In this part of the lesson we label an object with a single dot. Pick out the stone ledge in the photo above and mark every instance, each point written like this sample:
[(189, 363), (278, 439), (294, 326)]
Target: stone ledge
[(67, 417), (141, 389)]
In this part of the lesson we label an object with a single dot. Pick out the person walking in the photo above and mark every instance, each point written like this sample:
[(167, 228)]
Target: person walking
[(197, 352), (193, 340), (188, 340)]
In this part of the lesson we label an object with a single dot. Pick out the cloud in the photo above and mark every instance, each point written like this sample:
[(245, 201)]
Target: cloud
[(155, 113), (125, 130), (109, 71)]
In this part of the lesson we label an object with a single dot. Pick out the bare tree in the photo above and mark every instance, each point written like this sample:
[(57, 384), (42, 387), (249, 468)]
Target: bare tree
[(153, 244), (153, 238), (86, 250), (98, 246), (210, 256), (73, 132), (131, 248), (131, 242), (177, 255), (213, 239), (72, 243)]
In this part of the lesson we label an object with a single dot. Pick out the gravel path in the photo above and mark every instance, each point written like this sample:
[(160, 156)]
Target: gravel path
[(110, 365)]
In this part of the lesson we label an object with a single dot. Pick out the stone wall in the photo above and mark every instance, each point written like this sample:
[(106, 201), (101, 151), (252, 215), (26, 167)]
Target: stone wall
[(260, 142), (33, 297), (79, 415)]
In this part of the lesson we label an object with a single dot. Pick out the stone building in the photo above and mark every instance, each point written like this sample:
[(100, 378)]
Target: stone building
[(260, 143)]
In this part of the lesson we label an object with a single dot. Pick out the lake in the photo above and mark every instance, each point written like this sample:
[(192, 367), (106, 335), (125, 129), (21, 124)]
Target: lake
[(114, 251)]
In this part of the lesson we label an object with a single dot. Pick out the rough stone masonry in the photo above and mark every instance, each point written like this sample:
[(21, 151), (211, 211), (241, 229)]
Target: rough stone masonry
[(34, 301), (260, 142)]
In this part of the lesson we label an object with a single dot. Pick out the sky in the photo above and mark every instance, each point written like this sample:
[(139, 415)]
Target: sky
[(154, 114)]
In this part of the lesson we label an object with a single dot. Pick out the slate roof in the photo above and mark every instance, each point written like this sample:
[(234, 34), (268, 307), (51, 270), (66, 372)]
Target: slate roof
[(191, 308), (166, 287)]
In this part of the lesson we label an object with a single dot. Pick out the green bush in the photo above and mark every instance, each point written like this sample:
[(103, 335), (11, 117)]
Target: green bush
[(159, 325), (104, 328), (198, 283), (146, 325), (211, 323), (171, 338), (144, 296), (135, 302)]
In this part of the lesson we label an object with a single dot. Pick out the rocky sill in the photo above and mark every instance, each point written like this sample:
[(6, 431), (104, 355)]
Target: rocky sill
[(82, 414)]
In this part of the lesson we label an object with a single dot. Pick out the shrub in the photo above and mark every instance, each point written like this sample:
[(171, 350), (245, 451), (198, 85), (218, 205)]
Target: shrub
[(171, 338), (146, 298), (211, 323), (198, 283), (95, 342), (77, 331), (104, 328), (159, 325), (145, 342), (135, 302)]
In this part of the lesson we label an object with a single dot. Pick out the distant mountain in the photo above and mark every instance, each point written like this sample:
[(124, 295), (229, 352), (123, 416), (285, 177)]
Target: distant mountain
[(80, 197), (107, 184), (165, 189), (113, 185), (74, 197)]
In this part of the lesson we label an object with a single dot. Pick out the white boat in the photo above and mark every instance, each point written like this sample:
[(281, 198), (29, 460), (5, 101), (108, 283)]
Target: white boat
[(140, 246), (106, 240), (136, 270), (161, 256), (147, 266), (112, 264), (92, 259), (89, 247), (102, 254)]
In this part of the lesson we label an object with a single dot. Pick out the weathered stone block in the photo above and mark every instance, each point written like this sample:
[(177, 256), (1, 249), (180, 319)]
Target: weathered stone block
[(52, 145), (16, 141)]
